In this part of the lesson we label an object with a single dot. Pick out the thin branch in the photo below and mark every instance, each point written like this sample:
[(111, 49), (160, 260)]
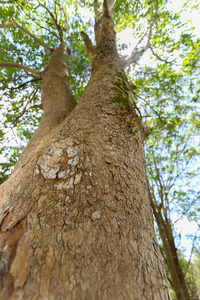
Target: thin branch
[(7, 25), (34, 20), (170, 281), (141, 39), (55, 10), (158, 57), (54, 21), (157, 114), (34, 92), (18, 66), (36, 106), (23, 85), (137, 54), (163, 255), (7, 164), (40, 42)]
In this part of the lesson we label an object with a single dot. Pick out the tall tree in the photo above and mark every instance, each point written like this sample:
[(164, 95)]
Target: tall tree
[(75, 213)]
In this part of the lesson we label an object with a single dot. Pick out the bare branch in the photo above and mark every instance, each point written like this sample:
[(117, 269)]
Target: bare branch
[(18, 66), (54, 21), (7, 164), (135, 56), (106, 9), (107, 6), (40, 42), (161, 185), (90, 48)]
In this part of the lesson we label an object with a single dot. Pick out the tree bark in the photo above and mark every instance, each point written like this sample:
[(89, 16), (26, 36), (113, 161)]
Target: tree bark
[(75, 214)]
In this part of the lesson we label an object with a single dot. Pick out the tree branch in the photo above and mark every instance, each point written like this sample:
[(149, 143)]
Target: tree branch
[(7, 164), (158, 57), (137, 54), (36, 106), (7, 25), (54, 21), (34, 92), (90, 48), (55, 10), (18, 66), (40, 42), (96, 11), (34, 20), (23, 85), (157, 114)]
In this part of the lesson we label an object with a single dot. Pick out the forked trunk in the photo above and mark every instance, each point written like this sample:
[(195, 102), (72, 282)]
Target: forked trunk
[(75, 215)]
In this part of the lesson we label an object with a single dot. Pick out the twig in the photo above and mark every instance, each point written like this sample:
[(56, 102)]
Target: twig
[(36, 106), (23, 85), (158, 57)]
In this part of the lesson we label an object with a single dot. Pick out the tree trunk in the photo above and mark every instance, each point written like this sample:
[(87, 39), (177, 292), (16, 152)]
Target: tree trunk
[(179, 270), (175, 269), (75, 214)]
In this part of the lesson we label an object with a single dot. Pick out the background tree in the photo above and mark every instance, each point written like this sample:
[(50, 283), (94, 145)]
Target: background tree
[(173, 147)]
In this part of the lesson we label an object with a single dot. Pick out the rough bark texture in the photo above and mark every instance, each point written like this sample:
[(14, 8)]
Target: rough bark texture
[(75, 215)]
